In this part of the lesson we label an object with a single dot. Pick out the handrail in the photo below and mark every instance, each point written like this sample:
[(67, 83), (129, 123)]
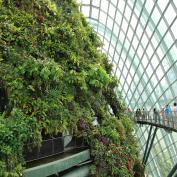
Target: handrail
[(52, 146), (159, 119)]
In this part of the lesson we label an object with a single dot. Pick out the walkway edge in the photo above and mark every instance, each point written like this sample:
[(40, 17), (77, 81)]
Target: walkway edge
[(58, 165)]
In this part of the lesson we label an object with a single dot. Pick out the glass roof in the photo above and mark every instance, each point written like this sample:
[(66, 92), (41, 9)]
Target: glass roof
[(140, 39)]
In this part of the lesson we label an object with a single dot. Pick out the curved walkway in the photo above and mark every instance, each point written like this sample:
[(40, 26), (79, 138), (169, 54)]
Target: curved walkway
[(168, 122)]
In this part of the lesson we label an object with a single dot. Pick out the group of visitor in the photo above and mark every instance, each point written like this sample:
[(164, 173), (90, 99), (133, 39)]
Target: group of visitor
[(168, 111), (167, 115)]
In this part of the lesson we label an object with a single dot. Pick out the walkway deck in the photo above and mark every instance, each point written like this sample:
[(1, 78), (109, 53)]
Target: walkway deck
[(58, 163), (162, 121)]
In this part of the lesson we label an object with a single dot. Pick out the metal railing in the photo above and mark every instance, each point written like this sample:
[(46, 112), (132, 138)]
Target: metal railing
[(52, 146), (161, 119)]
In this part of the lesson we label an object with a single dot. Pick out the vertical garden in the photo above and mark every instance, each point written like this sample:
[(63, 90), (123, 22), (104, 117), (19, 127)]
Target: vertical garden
[(54, 78)]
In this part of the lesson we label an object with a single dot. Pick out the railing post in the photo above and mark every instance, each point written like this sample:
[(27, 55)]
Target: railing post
[(53, 145)]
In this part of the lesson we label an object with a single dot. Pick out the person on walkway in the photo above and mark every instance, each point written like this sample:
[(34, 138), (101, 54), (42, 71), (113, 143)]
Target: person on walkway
[(168, 113), (175, 109), (140, 113), (138, 116), (155, 115), (175, 115), (162, 113), (129, 111), (144, 115)]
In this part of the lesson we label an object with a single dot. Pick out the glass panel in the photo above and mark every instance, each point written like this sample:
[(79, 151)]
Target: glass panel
[(96, 2), (112, 10), (110, 23), (104, 5), (174, 28), (103, 17), (85, 1), (156, 15), (162, 4), (95, 12), (121, 6), (149, 5), (170, 14), (86, 10)]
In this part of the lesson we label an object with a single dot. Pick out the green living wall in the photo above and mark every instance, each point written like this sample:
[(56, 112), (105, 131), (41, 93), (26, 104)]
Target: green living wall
[(54, 78)]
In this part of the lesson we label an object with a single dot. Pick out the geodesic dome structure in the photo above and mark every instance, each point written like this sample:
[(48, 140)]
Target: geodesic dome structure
[(140, 40)]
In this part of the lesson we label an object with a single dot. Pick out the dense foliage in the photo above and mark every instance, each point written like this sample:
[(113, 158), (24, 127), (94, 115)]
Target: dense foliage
[(54, 78)]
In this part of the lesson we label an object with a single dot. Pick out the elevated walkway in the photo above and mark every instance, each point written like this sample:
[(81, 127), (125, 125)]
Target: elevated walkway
[(155, 120), (58, 163), (61, 155), (168, 122)]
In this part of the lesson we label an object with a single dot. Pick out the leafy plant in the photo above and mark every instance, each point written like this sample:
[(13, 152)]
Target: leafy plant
[(54, 79)]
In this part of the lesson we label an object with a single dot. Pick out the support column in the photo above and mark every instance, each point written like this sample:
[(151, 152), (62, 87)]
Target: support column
[(147, 144), (150, 147), (172, 172)]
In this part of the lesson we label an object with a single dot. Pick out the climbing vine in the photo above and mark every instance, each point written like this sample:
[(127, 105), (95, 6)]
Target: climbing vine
[(53, 78)]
